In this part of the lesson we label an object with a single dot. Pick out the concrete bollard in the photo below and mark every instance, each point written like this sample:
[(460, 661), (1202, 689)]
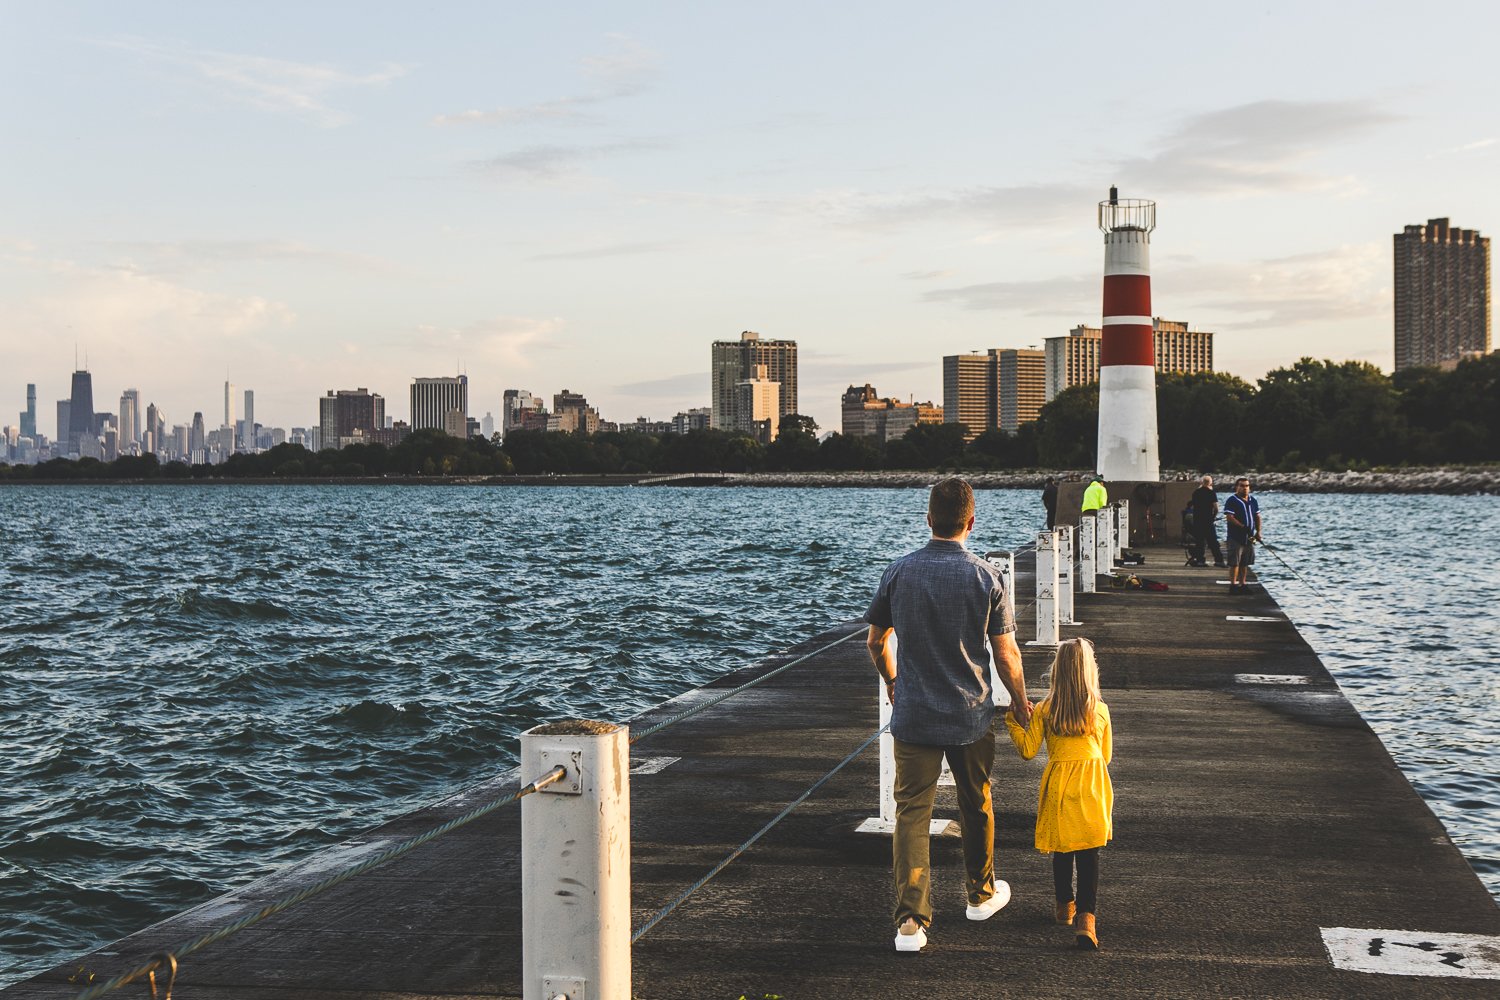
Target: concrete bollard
[(1046, 590), (1065, 575), (1005, 561), (1104, 558), (1087, 554), (1123, 530), (575, 863)]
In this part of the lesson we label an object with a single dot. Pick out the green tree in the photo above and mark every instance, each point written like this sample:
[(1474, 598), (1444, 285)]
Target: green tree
[(1200, 417), (1067, 429)]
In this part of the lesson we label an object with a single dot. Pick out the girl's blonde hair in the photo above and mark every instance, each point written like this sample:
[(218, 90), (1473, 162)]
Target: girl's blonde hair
[(1074, 696)]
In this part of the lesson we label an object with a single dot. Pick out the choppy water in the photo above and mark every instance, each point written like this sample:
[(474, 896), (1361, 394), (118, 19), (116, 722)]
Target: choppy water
[(198, 684)]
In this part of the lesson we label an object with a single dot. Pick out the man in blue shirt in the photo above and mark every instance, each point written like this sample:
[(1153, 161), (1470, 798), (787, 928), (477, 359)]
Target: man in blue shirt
[(942, 601), (1242, 511)]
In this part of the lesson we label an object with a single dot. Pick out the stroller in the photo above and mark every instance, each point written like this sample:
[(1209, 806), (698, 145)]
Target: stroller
[(1190, 538)]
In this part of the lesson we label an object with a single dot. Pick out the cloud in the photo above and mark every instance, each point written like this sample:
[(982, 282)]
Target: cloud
[(547, 163), (264, 82), (1256, 148), (626, 70), (508, 341), (189, 255), (927, 275), (672, 385), (1467, 147), (614, 250), (1062, 296)]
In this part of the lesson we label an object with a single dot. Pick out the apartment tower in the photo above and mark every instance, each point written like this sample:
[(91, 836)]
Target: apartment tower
[(1442, 286), (435, 401), (736, 361)]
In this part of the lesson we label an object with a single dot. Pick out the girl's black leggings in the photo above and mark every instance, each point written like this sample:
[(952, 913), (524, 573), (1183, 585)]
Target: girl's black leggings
[(1088, 877)]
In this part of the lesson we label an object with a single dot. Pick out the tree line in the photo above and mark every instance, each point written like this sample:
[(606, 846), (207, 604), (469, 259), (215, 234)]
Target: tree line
[(1313, 414)]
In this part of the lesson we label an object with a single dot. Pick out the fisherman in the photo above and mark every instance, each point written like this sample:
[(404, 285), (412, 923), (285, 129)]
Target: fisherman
[(942, 602), (1242, 511), (1206, 523), (1049, 500), (1095, 496)]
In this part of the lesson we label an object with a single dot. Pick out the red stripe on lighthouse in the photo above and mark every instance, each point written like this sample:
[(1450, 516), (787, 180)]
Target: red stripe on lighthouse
[(1127, 345), (1127, 295)]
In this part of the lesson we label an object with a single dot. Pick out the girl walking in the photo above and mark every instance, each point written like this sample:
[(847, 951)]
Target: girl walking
[(1076, 802)]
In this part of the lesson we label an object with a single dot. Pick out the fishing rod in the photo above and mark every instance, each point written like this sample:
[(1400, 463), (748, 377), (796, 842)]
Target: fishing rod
[(1321, 596)]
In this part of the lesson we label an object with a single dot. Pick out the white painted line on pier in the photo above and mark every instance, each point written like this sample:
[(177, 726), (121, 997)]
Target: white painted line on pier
[(1251, 618), (1413, 953), (652, 765), (1225, 583), (1272, 679)]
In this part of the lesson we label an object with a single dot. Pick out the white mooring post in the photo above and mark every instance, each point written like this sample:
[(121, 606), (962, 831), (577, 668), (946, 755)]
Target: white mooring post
[(1046, 590), (885, 823), (1104, 545), (1123, 541), (1065, 575), (1005, 561), (575, 863), (1087, 554)]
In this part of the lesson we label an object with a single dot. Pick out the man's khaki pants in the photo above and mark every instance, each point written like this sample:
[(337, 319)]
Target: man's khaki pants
[(917, 770)]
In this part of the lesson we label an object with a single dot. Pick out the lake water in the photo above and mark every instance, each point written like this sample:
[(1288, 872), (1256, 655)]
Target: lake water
[(201, 683)]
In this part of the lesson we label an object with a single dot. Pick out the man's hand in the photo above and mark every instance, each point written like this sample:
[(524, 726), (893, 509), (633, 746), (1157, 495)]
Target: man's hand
[(1022, 711), (890, 691)]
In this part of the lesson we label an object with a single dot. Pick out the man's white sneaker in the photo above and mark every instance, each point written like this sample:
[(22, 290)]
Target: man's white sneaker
[(911, 942), (993, 905)]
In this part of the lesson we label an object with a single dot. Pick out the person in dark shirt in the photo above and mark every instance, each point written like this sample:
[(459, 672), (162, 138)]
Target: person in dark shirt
[(944, 603), (1049, 500), (1242, 511), (1206, 523)]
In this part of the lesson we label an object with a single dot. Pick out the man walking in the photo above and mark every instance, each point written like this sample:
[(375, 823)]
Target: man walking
[(1206, 523), (1242, 511), (942, 601)]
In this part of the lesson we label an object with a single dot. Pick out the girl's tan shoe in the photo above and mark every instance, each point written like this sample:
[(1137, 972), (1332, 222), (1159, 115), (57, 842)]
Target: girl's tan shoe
[(1065, 912), (1083, 931)]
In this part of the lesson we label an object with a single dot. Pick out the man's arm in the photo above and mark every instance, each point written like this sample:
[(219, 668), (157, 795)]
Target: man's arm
[(1257, 525), (1229, 515), (878, 643), (1008, 666)]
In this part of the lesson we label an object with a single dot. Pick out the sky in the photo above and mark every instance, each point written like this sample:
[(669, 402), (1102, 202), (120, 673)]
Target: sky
[(301, 197)]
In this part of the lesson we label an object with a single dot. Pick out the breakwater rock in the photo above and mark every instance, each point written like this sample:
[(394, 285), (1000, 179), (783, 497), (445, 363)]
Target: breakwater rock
[(1455, 481)]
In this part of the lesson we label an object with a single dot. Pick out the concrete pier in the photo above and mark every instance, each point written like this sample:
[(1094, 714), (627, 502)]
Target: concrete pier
[(1255, 812)]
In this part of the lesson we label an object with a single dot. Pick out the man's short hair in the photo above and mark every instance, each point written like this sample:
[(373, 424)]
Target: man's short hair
[(949, 506), (1242, 479)]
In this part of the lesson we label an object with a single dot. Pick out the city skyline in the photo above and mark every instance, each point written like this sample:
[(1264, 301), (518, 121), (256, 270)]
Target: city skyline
[(583, 197)]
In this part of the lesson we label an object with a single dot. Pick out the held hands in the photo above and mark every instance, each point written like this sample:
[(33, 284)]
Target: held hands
[(1021, 712)]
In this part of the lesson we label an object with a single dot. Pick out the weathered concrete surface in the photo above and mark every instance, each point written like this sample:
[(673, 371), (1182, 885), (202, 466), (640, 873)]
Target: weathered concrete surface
[(1247, 817)]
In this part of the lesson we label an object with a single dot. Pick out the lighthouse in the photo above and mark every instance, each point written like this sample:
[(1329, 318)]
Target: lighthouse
[(1127, 361)]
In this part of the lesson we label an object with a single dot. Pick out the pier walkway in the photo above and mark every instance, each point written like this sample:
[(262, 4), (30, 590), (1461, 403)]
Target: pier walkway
[(1254, 809)]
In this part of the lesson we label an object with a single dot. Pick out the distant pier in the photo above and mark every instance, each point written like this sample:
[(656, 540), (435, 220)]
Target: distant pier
[(1266, 846)]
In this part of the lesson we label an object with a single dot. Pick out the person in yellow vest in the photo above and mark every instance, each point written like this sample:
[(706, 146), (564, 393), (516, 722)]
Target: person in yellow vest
[(1095, 496)]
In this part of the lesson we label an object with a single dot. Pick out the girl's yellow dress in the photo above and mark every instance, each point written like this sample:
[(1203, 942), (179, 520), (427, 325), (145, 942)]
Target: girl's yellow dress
[(1075, 806)]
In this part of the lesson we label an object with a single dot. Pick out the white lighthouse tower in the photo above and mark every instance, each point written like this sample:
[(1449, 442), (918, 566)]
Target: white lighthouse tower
[(1127, 356)]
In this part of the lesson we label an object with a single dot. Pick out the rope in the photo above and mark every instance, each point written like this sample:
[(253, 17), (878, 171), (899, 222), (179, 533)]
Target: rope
[(681, 716), (170, 958), (664, 911)]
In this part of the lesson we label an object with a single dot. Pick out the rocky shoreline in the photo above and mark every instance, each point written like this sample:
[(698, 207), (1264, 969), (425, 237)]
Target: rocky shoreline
[(1455, 481)]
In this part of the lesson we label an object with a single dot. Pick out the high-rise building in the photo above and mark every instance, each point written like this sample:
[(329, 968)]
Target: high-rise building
[(487, 425), (151, 437), (757, 406), (735, 361), (695, 419), (998, 390), (1074, 359), (228, 404), (346, 417), (130, 419), (1442, 295), (197, 449), (247, 426), (80, 410), (28, 417), (969, 393), (1021, 386), (434, 401), (64, 423)]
